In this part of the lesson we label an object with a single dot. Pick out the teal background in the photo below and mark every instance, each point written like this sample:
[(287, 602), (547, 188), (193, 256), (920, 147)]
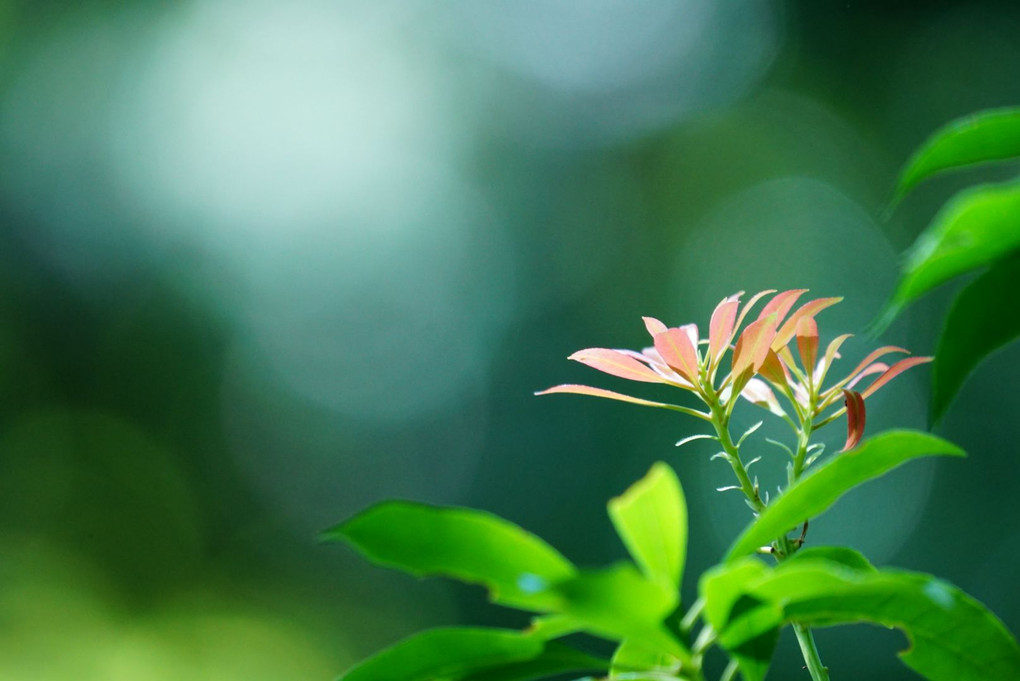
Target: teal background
[(263, 264)]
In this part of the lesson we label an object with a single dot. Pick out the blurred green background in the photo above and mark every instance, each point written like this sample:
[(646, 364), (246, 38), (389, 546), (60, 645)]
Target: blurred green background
[(264, 263)]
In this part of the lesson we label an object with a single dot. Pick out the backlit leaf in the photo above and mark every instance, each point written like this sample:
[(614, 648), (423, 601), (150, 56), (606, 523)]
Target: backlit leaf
[(953, 637), (975, 228), (982, 137), (468, 545), (619, 603), (819, 489), (651, 519)]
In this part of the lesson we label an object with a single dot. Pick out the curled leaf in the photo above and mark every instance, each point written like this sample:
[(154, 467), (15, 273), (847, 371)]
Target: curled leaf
[(855, 418)]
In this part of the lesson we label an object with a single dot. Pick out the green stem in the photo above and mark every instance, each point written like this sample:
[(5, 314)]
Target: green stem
[(722, 428), (818, 671)]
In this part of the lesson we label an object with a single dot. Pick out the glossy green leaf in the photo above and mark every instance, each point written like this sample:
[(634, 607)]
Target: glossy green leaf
[(725, 590), (977, 325), (975, 228), (992, 135), (447, 653), (620, 603), (817, 491), (651, 518), (555, 659), (841, 555), (953, 637), (468, 545)]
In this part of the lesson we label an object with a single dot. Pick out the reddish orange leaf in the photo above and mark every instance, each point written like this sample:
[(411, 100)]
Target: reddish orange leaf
[(654, 326), (894, 371), (677, 350), (872, 356), (781, 304), (855, 418), (876, 368), (616, 363), (720, 328), (773, 369), (809, 309), (753, 345), (807, 343)]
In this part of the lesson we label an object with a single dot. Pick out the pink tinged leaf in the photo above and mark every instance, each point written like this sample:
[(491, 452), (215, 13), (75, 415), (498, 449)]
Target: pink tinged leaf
[(753, 345), (773, 369), (654, 326), (807, 342), (876, 368), (616, 363), (720, 328), (599, 392), (894, 371), (676, 348), (809, 309), (855, 418), (781, 304), (758, 392), (750, 304), (650, 356), (872, 356)]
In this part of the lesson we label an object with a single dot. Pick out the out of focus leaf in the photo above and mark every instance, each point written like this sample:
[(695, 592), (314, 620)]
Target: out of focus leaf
[(725, 590), (975, 228), (651, 518), (619, 603), (976, 326), (472, 546), (818, 490), (449, 653), (555, 659), (632, 657), (992, 135), (842, 555), (953, 637)]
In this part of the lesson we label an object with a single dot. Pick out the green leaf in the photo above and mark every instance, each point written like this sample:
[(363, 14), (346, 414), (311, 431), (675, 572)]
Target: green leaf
[(953, 637), (817, 491), (842, 555), (555, 659), (975, 228), (991, 135), (446, 653), (468, 545), (977, 325), (651, 519), (726, 603), (632, 657), (619, 603)]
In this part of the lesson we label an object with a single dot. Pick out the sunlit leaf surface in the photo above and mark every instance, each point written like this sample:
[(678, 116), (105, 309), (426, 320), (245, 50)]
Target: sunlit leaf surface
[(468, 545), (975, 228), (953, 637), (817, 491), (651, 518), (979, 138)]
